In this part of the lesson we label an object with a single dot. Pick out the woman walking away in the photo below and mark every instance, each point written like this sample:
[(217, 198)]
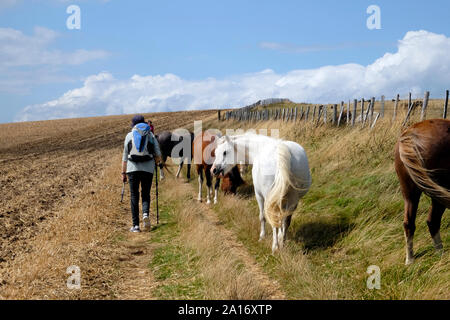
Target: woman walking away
[(140, 151)]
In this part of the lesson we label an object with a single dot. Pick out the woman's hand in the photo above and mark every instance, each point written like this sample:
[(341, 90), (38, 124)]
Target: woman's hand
[(124, 177)]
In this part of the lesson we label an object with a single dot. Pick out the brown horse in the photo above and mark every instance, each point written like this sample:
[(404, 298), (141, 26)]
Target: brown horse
[(203, 151), (203, 162), (231, 181), (422, 163)]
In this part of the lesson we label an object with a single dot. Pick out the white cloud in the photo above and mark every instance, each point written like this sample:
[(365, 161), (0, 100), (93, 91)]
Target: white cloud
[(18, 49), (29, 60), (422, 62)]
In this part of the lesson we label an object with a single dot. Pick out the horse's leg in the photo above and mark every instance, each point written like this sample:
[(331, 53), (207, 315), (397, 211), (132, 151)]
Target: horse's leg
[(409, 223), (179, 168), (216, 190), (161, 176), (262, 218), (200, 183), (285, 227), (434, 222), (188, 171), (281, 235), (275, 239), (208, 185)]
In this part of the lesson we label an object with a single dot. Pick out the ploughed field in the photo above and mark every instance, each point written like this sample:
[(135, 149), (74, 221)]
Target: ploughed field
[(45, 164)]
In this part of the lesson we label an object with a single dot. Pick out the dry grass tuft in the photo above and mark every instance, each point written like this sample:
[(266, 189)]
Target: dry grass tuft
[(226, 267), (350, 219)]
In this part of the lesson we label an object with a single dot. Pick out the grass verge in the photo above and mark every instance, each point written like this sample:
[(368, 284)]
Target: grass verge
[(350, 219)]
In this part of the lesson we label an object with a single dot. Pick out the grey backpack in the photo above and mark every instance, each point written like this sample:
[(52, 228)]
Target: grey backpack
[(140, 147)]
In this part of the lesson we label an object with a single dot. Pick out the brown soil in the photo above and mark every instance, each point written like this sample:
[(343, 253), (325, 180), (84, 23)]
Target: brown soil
[(47, 173)]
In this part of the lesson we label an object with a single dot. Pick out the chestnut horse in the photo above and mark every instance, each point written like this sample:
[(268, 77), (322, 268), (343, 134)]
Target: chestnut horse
[(422, 163), (231, 181), (203, 162), (203, 150)]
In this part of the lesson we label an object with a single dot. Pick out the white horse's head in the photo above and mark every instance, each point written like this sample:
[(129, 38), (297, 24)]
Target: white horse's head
[(224, 157)]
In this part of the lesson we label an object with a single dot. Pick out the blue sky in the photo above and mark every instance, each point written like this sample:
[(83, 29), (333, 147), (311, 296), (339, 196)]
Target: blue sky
[(143, 56)]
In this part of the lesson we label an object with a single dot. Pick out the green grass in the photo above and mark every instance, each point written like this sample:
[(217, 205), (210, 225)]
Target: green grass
[(173, 265), (351, 218)]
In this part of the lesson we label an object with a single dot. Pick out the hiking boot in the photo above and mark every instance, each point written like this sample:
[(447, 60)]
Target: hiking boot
[(146, 220), (135, 229)]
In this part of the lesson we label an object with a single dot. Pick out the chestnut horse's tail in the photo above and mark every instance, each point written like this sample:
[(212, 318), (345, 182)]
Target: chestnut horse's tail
[(409, 150)]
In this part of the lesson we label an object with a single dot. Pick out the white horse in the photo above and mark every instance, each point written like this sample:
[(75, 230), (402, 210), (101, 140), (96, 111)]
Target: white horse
[(280, 172)]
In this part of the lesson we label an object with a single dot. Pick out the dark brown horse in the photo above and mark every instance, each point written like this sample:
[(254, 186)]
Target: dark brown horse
[(174, 145), (422, 163)]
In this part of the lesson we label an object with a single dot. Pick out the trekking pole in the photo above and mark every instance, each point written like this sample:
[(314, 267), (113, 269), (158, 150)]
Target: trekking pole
[(156, 191), (123, 191)]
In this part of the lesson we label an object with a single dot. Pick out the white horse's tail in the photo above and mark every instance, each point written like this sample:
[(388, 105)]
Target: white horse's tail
[(275, 202)]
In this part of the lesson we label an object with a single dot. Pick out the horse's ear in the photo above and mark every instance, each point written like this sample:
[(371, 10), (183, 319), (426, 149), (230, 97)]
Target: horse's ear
[(213, 138), (227, 139)]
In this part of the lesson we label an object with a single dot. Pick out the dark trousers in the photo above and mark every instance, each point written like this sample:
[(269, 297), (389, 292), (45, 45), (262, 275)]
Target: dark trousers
[(145, 180)]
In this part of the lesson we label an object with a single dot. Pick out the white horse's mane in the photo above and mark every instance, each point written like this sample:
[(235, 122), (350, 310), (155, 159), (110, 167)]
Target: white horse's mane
[(246, 135)]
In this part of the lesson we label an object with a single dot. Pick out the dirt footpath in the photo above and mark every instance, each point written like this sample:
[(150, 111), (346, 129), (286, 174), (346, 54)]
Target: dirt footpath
[(58, 203)]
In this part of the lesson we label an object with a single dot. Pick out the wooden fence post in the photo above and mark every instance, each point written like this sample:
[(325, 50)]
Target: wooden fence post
[(382, 107), (340, 113), (319, 114), (366, 116), (348, 113), (423, 114), (372, 108), (334, 120), (445, 105), (397, 100), (314, 113), (324, 111), (307, 113), (355, 105), (409, 101), (362, 110), (375, 121), (408, 114)]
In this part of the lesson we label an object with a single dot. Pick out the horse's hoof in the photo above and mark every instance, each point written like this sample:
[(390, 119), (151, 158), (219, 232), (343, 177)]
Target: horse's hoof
[(199, 200), (208, 202), (409, 261), (215, 201)]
